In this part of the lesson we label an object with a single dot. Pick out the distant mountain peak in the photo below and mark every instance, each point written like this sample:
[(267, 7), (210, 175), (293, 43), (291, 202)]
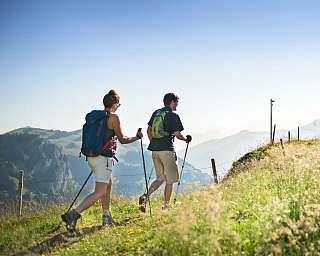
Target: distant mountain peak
[(316, 123), (40, 131)]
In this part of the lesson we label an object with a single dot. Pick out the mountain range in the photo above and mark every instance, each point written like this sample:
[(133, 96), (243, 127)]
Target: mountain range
[(47, 173), (230, 148)]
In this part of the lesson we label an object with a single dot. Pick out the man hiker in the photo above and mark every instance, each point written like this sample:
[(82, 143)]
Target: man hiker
[(163, 127), (101, 164)]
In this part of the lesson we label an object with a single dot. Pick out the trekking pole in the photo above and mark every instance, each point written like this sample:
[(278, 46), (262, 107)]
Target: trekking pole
[(145, 172), (80, 191), (184, 160)]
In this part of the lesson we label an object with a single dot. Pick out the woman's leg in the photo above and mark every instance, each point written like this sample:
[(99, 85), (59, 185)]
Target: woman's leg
[(99, 192), (105, 199)]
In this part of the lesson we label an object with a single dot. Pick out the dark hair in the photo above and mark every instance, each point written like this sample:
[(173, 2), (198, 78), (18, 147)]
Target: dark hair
[(110, 99), (170, 97)]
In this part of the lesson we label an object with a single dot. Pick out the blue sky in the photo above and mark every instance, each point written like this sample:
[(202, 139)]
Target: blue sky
[(225, 59)]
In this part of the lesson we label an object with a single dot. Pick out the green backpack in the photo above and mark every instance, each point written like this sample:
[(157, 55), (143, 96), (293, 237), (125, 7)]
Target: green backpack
[(157, 125)]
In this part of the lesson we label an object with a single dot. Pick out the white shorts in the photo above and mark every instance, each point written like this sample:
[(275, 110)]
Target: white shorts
[(101, 167)]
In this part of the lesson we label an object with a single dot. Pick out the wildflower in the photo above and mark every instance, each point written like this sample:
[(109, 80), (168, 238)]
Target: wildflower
[(130, 230)]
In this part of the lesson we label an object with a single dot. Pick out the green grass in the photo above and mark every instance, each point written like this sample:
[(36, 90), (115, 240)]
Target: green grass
[(17, 233), (268, 205)]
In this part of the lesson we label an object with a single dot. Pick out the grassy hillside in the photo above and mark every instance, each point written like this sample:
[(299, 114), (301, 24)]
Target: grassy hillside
[(268, 205)]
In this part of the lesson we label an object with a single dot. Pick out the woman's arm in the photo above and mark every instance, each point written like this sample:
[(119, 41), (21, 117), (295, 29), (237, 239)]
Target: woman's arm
[(114, 123)]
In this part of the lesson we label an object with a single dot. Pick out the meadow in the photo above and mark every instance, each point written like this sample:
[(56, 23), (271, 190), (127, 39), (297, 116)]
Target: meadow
[(269, 204)]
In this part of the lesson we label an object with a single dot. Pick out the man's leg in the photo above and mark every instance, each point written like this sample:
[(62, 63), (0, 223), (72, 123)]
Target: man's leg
[(158, 166), (167, 194), (154, 186), (171, 173)]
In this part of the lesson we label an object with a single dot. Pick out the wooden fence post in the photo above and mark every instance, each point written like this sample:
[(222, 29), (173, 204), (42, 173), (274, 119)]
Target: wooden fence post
[(289, 136), (214, 171), (282, 147), (298, 133), (20, 193), (274, 133)]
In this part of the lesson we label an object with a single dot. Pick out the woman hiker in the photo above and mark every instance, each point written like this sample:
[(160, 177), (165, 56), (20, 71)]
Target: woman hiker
[(101, 165)]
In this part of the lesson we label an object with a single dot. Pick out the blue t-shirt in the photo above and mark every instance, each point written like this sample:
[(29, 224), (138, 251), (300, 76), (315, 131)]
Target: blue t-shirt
[(171, 124)]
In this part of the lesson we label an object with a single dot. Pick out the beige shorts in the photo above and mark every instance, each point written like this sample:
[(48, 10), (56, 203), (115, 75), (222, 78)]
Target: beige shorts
[(101, 167), (166, 166)]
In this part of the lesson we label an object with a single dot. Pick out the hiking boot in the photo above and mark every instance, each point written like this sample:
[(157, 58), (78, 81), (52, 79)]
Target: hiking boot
[(70, 218), (143, 202), (107, 219)]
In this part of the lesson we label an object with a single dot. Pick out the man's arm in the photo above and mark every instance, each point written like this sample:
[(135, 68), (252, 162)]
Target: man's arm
[(180, 136), (177, 127)]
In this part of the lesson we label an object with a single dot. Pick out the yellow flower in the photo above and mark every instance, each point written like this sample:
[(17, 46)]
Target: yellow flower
[(130, 230)]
